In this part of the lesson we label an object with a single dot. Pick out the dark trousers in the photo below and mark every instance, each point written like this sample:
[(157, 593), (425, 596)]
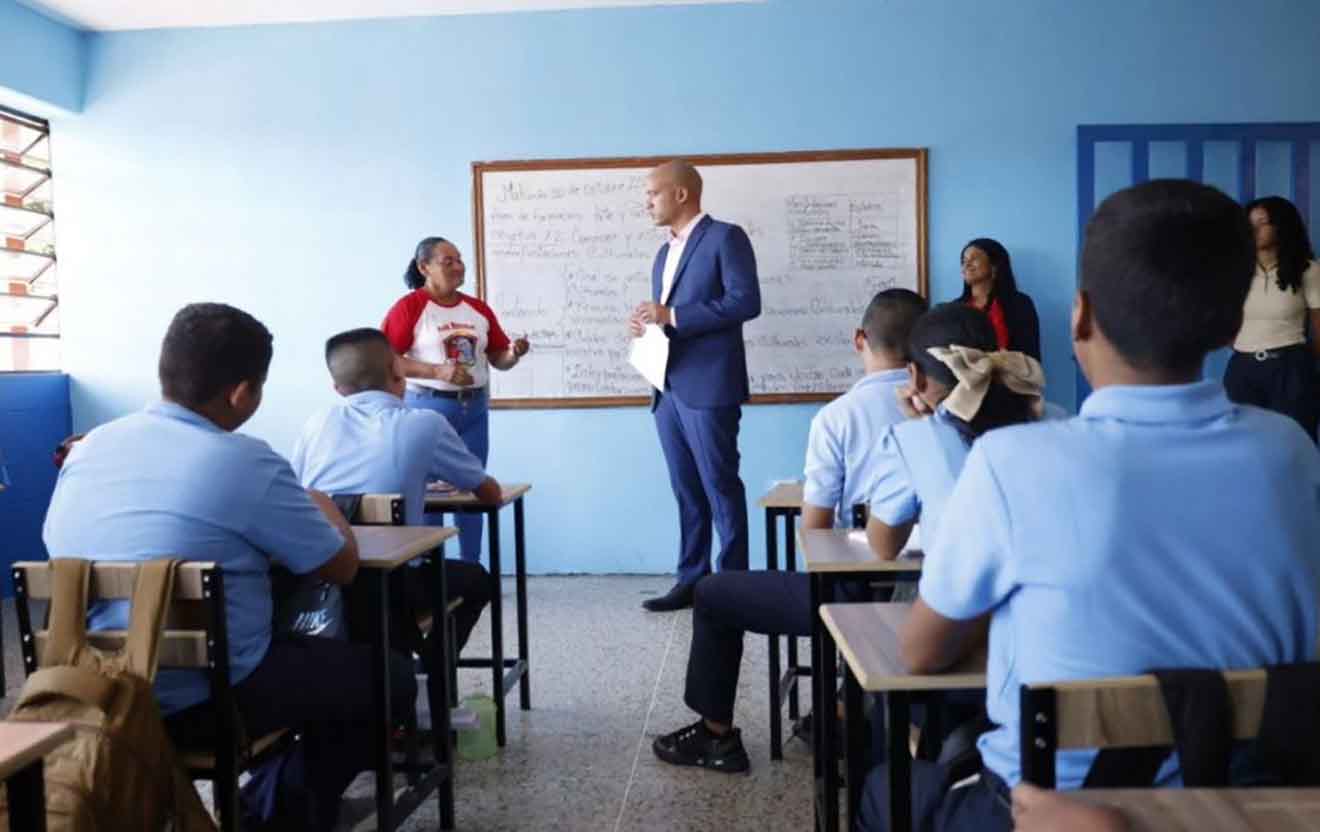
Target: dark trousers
[(727, 605), (322, 689), (732, 603), (984, 806), (1285, 383), (410, 598), (701, 453)]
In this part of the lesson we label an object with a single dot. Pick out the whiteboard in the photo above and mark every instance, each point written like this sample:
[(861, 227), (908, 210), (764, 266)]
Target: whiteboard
[(565, 249)]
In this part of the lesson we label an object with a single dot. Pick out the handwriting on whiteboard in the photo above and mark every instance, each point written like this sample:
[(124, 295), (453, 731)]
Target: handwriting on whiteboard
[(569, 253)]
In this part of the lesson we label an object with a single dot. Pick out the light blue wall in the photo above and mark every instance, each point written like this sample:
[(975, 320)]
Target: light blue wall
[(41, 61), (290, 169)]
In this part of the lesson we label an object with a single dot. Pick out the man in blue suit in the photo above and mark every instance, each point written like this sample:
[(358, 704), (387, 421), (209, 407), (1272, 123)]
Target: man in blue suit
[(703, 287)]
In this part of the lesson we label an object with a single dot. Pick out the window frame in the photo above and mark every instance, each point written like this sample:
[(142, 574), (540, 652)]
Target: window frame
[(20, 244)]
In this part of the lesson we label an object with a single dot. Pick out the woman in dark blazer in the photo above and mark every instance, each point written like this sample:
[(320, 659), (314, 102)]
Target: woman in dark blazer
[(989, 285)]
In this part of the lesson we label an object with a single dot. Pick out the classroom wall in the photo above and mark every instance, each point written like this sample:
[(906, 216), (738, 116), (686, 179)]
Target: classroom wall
[(34, 418), (41, 61), (290, 170)]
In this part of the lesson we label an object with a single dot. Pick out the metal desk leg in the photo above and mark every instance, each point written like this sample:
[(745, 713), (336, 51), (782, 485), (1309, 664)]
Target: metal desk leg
[(383, 722), (826, 719), (520, 557), (855, 742), (790, 564), (817, 760), (776, 716), (900, 763), (496, 622), (27, 798), (439, 694)]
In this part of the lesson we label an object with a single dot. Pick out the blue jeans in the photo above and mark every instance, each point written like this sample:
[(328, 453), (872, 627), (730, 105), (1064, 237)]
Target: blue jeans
[(470, 419)]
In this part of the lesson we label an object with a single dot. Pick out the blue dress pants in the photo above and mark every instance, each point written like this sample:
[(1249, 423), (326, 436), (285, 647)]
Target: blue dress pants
[(701, 452)]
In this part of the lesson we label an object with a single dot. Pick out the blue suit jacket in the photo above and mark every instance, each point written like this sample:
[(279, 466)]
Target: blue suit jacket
[(715, 290)]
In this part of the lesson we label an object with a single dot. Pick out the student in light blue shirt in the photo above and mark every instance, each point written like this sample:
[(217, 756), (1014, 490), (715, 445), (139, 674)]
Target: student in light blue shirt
[(968, 387), (370, 442), (844, 436), (176, 480), (1164, 526)]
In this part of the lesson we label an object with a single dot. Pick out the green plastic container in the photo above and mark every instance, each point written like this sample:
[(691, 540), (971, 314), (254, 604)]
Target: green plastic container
[(480, 743)]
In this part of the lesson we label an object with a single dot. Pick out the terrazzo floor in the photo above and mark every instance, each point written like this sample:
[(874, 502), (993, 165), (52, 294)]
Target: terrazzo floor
[(607, 677)]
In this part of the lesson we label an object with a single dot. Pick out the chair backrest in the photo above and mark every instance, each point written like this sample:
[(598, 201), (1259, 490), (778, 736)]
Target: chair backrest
[(1116, 712), (121, 769), (380, 510), (195, 631), (371, 509)]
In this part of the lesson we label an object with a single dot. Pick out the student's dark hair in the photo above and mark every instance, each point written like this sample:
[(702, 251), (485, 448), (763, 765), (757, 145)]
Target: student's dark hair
[(412, 276), (359, 359), (957, 324), (1166, 267), (888, 319), (210, 347), (1295, 250), (1005, 281)]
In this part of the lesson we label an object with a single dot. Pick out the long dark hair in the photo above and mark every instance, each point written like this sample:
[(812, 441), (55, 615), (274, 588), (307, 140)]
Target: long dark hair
[(412, 276), (958, 324), (1295, 251), (1005, 283)]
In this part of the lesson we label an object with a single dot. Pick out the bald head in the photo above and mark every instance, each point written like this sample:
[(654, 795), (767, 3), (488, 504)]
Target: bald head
[(680, 174), (673, 193), (360, 360)]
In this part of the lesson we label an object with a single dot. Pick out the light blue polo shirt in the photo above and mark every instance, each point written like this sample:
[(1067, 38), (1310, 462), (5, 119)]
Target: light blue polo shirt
[(372, 443), (918, 464), (1162, 527), (844, 441), (168, 482)]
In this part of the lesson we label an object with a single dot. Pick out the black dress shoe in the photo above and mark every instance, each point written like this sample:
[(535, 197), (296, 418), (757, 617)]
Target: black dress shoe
[(696, 745), (678, 598)]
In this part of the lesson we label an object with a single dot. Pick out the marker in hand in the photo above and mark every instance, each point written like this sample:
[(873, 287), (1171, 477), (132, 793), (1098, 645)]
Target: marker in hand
[(521, 345)]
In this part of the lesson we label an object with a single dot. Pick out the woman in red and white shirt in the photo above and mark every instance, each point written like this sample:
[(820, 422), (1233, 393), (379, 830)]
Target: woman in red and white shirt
[(448, 341)]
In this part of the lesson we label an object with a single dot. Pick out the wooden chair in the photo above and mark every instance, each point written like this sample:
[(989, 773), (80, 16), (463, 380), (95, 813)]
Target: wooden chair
[(196, 637), (1115, 713)]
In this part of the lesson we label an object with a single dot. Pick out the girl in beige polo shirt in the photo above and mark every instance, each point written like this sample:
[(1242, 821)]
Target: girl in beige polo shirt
[(1273, 366)]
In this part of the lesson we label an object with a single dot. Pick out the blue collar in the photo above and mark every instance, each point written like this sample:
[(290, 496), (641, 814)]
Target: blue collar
[(1152, 404), (171, 410), (883, 377), (374, 400)]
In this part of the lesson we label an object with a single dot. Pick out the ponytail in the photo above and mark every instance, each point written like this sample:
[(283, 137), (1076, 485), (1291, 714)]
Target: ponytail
[(412, 276), (1000, 408)]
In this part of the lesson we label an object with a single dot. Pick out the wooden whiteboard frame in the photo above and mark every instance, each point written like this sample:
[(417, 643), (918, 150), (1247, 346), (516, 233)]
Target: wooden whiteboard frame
[(919, 155)]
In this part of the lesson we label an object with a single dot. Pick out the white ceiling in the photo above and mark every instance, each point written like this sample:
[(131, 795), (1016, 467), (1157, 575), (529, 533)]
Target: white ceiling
[(110, 15)]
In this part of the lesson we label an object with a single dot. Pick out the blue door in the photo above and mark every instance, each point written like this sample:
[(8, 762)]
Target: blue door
[(1243, 160)]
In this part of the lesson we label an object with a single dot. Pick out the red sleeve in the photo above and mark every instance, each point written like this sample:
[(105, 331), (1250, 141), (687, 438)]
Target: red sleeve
[(401, 321), (496, 340)]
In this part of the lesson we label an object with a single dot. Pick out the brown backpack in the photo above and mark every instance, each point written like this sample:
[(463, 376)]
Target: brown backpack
[(120, 770)]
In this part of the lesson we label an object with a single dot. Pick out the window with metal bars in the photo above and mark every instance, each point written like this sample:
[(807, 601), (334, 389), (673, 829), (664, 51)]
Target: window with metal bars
[(29, 296)]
